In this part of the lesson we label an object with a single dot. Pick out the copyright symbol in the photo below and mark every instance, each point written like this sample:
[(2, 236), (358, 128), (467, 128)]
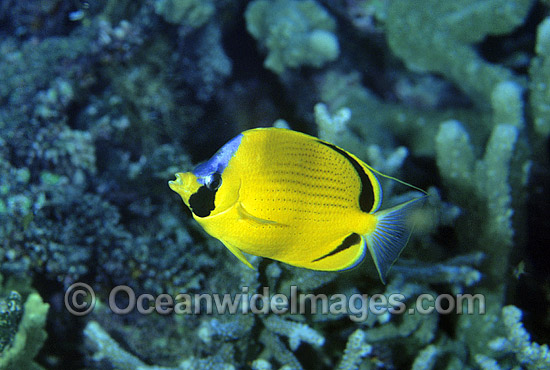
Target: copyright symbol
[(79, 299)]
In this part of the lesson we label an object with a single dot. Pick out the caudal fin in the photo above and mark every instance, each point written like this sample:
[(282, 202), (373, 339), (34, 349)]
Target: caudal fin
[(392, 232)]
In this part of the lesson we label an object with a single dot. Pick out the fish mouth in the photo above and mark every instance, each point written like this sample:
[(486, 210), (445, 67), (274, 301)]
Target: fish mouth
[(185, 185)]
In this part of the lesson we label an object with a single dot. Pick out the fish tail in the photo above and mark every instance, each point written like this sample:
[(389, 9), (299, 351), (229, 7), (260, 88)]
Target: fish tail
[(391, 234)]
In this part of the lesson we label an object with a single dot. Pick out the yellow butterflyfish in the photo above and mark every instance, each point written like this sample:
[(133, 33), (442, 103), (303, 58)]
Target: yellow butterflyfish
[(291, 197)]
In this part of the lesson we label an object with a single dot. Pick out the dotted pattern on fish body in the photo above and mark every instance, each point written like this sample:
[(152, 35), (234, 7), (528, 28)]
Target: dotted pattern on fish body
[(303, 178), (308, 189)]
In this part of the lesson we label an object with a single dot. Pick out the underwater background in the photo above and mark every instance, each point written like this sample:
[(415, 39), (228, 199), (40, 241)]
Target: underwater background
[(101, 102)]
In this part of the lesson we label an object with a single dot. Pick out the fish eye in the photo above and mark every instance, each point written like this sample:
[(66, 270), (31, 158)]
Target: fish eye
[(214, 182)]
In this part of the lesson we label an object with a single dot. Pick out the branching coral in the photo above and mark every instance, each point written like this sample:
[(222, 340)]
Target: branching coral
[(540, 75), (296, 332), (107, 351), (529, 354), (485, 185), (437, 36), (295, 33), (356, 350)]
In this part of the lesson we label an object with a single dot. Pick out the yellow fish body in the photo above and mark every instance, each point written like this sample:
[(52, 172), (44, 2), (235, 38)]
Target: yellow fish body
[(291, 197)]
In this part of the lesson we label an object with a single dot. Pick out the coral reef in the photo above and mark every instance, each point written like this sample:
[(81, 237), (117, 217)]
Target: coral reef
[(102, 102)]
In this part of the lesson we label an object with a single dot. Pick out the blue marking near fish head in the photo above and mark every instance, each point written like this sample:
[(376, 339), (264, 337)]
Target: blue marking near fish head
[(212, 169)]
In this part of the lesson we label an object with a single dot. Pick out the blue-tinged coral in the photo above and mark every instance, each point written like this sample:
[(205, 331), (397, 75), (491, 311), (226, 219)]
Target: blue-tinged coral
[(518, 341), (107, 352), (205, 62), (356, 350), (426, 358), (294, 331), (295, 33), (437, 36)]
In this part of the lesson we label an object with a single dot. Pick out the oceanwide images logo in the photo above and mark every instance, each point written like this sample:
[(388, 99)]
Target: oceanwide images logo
[(80, 300)]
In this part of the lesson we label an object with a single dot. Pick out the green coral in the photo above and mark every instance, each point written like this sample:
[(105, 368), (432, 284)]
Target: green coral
[(192, 13), (295, 33), (540, 77), (29, 338), (490, 188), (11, 311), (481, 186), (438, 36), (378, 122)]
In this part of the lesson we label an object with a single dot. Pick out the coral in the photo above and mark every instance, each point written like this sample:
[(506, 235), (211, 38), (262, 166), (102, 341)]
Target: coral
[(35, 18), (330, 127), (296, 332), (493, 351), (539, 72), (100, 102), (366, 16), (529, 354), (456, 271), (426, 358), (423, 34), (118, 43), (295, 33), (29, 338), (261, 364), (356, 350), (107, 351), (11, 311), (192, 13), (379, 122), (226, 329), (277, 349), (305, 280), (485, 185), (205, 66), (487, 363), (51, 231)]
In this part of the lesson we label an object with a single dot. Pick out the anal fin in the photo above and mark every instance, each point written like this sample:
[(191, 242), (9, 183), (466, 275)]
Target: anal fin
[(238, 253)]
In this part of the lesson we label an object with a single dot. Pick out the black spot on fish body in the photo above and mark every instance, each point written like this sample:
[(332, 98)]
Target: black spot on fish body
[(366, 197), (349, 241), (202, 202)]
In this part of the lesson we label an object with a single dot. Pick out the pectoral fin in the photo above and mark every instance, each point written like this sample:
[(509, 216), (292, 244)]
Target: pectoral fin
[(244, 214), (237, 253)]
